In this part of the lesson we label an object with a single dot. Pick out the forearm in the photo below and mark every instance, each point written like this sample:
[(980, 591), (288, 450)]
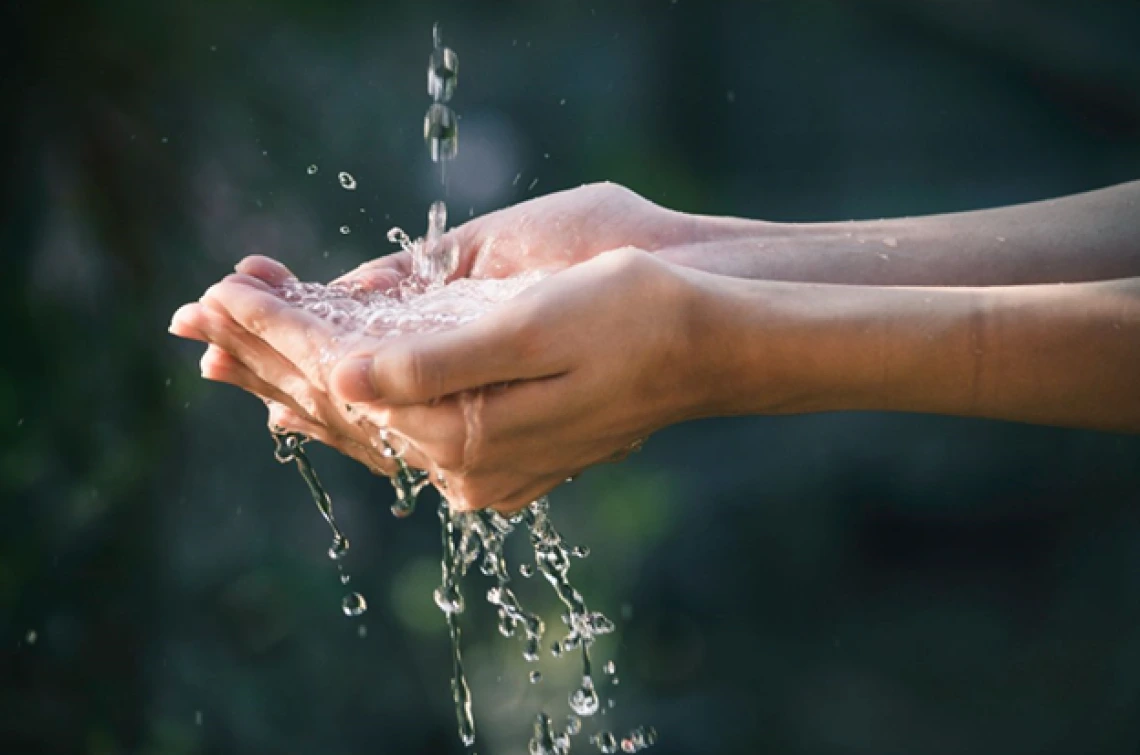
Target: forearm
[(1051, 354), (1085, 237)]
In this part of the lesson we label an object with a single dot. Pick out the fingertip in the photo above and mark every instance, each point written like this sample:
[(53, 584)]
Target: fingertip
[(184, 322), (216, 364), (264, 268)]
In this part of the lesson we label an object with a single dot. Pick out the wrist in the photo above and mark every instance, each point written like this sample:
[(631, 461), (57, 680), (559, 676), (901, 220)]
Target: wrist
[(749, 345)]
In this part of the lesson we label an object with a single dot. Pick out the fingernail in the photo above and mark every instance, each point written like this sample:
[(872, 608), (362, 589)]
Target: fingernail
[(353, 379)]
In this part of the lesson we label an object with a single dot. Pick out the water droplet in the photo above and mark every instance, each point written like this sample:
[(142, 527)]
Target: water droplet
[(605, 742), (31, 637), (532, 184), (443, 74), (580, 551), (609, 668), (354, 604), (197, 718), (526, 571), (345, 230), (344, 579), (535, 677), (362, 631), (346, 181), (615, 681), (441, 132), (584, 700), (339, 547)]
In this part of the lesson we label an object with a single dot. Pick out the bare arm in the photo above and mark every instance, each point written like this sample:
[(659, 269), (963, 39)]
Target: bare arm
[(1053, 354), (1085, 237)]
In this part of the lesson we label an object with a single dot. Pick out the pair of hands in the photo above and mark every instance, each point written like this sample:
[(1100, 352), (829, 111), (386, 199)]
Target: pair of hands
[(574, 371)]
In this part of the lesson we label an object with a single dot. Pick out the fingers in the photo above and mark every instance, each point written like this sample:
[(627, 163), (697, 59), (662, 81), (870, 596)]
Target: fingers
[(187, 322), (264, 268), (221, 366), (380, 274), (296, 335), (413, 369)]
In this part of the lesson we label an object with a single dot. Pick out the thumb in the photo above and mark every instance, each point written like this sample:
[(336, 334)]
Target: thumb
[(417, 368)]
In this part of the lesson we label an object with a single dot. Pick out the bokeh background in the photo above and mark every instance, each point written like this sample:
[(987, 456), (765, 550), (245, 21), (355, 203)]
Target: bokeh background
[(855, 583)]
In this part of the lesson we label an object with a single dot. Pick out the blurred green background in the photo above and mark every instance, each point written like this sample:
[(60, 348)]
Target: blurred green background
[(828, 584)]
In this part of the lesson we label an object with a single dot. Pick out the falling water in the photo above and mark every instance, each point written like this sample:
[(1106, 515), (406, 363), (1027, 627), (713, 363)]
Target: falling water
[(426, 303)]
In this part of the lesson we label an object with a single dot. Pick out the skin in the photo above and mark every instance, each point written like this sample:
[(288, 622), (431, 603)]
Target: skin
[(1028, 313)]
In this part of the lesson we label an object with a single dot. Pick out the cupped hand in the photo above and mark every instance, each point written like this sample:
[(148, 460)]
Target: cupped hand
[(266, 346), (575, 371), (551, 232), (269, 348)]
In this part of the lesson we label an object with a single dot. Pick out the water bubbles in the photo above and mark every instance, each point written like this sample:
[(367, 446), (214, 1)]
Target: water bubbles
[(526, 571), (580, 551), (346, 181), (547, 741), (610, 668), (311, 170), (573, 724), (599, 624), (535, 677), (197, 718), (584, 700), (441, 132), (449, 599), (31, 637), (639, 739), (605, 742), (344, 579), (397, 236), (339, 547), (354, 604), (442, 73), (345, 230)]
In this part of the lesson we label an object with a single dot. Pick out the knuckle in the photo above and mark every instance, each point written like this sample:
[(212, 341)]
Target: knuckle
[(402, 373)]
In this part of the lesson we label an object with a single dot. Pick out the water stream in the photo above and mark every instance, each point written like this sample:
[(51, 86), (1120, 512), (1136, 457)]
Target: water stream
[(425, 303)]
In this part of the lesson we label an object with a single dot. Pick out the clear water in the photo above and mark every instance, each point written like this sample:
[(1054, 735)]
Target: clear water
[(426, 302)]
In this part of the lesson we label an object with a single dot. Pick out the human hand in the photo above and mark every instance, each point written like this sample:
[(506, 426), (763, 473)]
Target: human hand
[(574, 371), (231, 318), (551, 232)]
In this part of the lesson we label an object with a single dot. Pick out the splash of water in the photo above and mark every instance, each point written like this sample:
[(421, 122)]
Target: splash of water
[(426, 302)]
